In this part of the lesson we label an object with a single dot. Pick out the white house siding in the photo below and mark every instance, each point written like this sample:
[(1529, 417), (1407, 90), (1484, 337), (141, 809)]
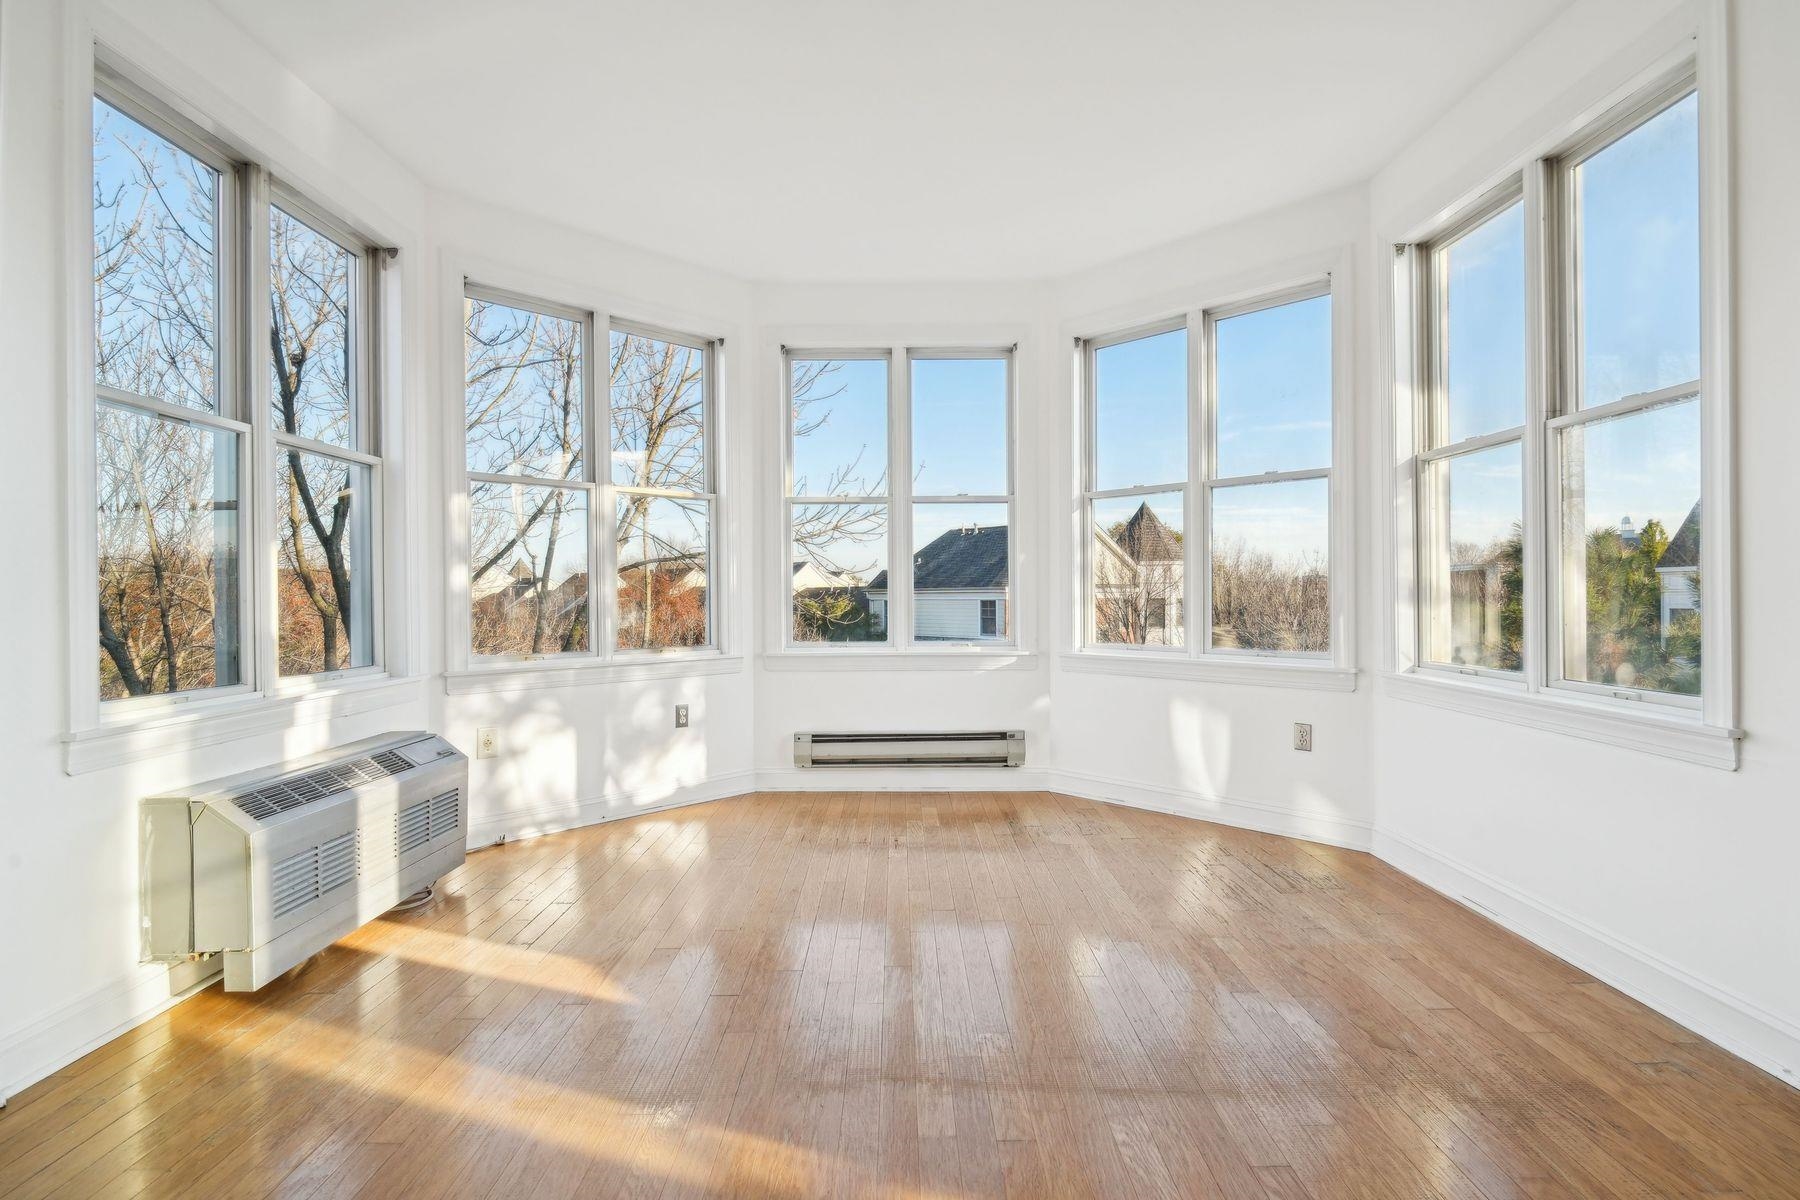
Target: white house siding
[(955, 616)]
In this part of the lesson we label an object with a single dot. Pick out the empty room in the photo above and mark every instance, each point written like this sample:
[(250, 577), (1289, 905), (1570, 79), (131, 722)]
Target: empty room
[(900, 599)]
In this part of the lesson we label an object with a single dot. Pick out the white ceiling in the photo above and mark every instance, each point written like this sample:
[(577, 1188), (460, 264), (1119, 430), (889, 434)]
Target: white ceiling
[(892, 139)]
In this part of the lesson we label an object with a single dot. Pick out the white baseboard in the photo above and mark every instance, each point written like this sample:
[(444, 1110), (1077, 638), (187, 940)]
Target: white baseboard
[(47, 1045), (517, 823), (1747, 1030), (903, 779), (1310, 825)]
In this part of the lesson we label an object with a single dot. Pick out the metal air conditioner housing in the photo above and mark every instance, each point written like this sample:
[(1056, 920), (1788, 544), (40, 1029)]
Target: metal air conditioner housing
[(269, 867), (976, 748)]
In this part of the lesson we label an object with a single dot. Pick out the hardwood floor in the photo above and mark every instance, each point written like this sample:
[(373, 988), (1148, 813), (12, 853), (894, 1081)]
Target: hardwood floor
[(920, 996)]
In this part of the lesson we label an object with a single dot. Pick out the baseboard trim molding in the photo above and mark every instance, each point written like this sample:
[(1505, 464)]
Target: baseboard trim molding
[(517, 823), (1346, 832), (40, 1049), (1759, 1037), (904, 779)]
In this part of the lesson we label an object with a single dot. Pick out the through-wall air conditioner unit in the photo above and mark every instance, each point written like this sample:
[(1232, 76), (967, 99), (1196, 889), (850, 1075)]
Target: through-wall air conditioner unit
[(984, 748), (270, 867)]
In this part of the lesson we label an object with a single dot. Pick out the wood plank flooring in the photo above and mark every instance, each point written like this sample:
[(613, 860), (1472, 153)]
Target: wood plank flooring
[(922, 996)]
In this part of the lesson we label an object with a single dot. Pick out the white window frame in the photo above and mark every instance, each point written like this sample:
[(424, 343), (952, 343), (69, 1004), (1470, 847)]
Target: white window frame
[(104, 733), (471, 672), (1694, 729), (901, 640), (1332, 670)]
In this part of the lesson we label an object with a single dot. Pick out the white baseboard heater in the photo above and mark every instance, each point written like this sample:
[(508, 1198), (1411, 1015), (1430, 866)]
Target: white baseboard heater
[(270, 867), (980, 748)]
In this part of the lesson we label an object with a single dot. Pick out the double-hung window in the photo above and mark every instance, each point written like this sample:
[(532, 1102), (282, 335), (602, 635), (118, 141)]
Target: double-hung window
[(539, 509), (908, 449), (1209, 444), (235, 543), (1558, 418)]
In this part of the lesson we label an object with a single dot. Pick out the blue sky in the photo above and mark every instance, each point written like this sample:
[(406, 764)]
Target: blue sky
[(1274, 389), (850, 416), (1638, 249), (959, 427)]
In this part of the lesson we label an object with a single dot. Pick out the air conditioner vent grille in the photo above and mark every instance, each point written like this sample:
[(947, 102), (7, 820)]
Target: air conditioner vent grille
[(285, 795), (414, 826)]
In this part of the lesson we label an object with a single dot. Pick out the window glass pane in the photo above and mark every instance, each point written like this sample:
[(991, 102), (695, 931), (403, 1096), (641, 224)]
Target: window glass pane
[(1477, 617), (1631, 550), (1140, 411), (1274, 389), (1484, 344), (840, 552), (309, 301), (1270, 554), (1138, 573), (959, 569), (528, 572), (959, 427), (156, 273), (524, 391), (658, 414), (322, 576), (840, 426), (1638, 258), (168, 550), (663, 572)]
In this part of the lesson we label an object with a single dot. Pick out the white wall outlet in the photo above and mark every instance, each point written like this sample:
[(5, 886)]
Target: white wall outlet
[(487, 742), (1302, 736), (681, 716)]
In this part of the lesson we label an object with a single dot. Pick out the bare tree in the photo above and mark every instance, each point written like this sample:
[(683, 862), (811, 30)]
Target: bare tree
[(1262, 601), (838, 539), (523, 396)]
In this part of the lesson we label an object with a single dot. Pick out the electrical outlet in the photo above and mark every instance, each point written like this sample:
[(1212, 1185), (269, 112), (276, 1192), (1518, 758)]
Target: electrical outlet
[(487, 742), (681, 717), (1302, 736)]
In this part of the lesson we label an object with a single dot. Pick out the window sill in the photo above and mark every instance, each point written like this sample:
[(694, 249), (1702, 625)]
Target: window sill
[(1255, 672), (551, 673), (201, 723), (1650, 729), (1010, 658)]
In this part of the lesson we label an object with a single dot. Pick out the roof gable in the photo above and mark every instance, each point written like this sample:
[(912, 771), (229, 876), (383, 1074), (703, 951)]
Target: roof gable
[(972, 557)]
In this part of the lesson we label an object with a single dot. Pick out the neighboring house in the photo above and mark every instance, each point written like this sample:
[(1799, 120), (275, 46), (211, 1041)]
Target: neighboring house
[(829, 591), (1138, 581), (959, 587), (1477, 600), (501, 606), (1678, 571)]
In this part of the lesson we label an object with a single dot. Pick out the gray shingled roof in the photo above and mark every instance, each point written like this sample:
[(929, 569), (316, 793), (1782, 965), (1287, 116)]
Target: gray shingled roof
[(971, 557), (1146, 538), (1684, 547)]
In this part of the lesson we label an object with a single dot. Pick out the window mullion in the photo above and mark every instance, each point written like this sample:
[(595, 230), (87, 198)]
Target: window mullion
[(1545, 370), (250, 248), (603, 538), (900, 548), (1202, 458)]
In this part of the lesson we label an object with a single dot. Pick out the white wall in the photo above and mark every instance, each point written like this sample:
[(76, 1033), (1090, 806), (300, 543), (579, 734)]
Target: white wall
[(1674, 881)]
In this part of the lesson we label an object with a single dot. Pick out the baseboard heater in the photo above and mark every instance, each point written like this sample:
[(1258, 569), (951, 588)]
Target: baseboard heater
[(979, 748)]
